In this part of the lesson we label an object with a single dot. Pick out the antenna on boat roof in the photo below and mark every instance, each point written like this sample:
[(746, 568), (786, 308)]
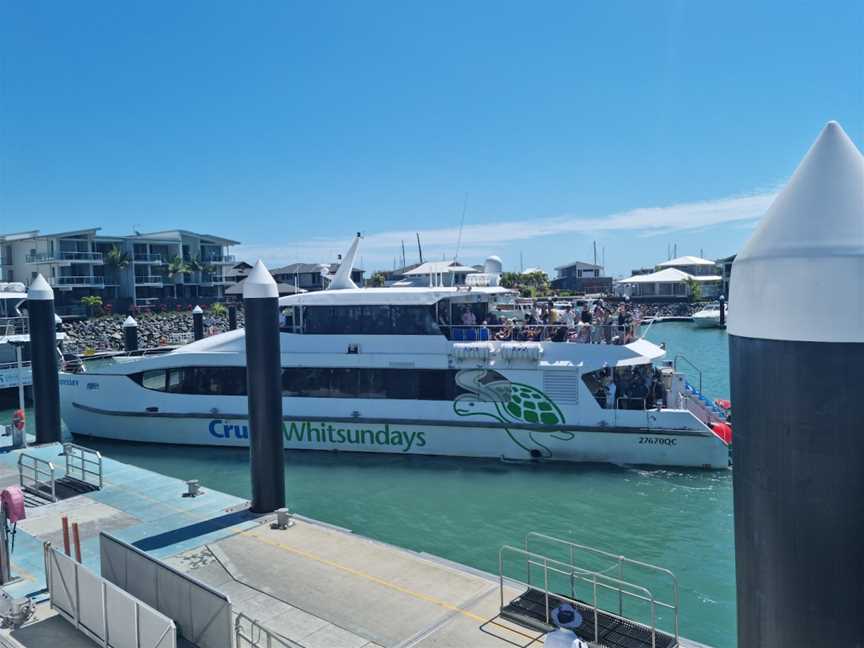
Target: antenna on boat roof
[(461, 225), (419, 248), (403, 254), (595, 253)]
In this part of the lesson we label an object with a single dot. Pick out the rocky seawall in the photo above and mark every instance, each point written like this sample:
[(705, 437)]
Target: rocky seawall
[(154, 329)]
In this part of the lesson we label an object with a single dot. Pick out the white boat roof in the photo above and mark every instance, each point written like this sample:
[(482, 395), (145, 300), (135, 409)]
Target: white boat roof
[(382, 296), (439, 267)]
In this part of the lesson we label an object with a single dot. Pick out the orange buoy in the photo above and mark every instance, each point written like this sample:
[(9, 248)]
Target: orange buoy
[(18, 419), (725, 404)]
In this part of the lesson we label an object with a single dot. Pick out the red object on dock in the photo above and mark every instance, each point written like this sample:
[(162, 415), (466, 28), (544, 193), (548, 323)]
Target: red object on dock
[(12, 500), (77, 540), (65, 521), (724, 404)]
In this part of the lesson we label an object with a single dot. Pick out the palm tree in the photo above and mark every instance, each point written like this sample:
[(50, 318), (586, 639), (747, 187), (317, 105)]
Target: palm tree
[(116, 258), (177, 267)]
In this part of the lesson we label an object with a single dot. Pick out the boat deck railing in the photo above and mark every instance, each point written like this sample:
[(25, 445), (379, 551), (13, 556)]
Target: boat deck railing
[(535, 606), (580, 333), (14, 326)]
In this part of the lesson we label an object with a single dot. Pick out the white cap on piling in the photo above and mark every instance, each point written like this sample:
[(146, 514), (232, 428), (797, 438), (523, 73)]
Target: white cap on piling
[(197, 310), (39, 290), (129, 322), (799, 277), (259, 283), (57, 319)]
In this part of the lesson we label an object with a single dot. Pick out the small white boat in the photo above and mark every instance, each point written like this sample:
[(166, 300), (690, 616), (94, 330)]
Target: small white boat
[(709, 317)]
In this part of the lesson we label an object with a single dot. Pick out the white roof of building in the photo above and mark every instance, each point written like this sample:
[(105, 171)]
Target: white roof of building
[(810, 242), (392, 295), (685, 261), (669, 275), (439, 267), (581, 264)]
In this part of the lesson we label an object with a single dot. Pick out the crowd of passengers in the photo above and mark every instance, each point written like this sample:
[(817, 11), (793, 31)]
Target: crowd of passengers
[(601, 324), (635, 388)]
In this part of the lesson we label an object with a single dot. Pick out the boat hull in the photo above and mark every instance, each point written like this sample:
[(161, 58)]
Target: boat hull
[(683, 448)]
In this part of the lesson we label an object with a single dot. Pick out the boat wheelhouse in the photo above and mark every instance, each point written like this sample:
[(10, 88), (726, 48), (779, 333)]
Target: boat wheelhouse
[(420, 371)]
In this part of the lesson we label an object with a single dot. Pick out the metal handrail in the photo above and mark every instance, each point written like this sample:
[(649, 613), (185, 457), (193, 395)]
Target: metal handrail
[(621, 561), (147, 258), (257, 632), (38, 467), (63, 256), (81, 280), (142, 279), (86, 462), (579, 333), (686, 360), (14, 326), (596, 579)]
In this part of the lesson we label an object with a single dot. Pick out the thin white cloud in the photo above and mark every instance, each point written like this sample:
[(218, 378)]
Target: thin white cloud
[(380, 246)]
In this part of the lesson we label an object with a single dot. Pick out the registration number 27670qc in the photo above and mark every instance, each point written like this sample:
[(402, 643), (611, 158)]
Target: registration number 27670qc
[(658, 441)]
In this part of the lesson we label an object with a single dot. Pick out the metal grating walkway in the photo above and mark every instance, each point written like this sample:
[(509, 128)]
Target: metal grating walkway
[(529, 609)]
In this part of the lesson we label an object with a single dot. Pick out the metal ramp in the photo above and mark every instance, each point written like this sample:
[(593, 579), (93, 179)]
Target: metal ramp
[(41, 484), (616, 613)]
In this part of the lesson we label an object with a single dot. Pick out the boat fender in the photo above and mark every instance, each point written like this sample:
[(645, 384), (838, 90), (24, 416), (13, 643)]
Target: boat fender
[(724, 431), (18, 419)]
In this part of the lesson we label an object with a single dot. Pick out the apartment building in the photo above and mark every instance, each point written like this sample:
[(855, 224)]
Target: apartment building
[(141, 269)]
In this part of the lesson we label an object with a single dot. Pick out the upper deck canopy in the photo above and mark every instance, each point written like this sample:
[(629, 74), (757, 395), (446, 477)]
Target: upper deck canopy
[(392, 296)]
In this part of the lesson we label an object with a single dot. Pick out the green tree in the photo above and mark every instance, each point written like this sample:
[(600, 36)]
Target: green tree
[(219, 310), (510, 279), (538, 281), (376, 280), (93, 303), (695, 289)]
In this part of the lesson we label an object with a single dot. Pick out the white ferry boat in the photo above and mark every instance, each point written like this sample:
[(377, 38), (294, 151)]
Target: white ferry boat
[(414, 371)]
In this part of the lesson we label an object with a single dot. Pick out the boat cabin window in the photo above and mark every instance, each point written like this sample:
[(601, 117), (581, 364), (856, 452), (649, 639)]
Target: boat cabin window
[(636, 387), (400, 384), (370, 320), (211, 381), (326, 382)]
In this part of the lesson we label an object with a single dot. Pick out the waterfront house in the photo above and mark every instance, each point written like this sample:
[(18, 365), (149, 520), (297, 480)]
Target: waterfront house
[(582, 277), (673, 280)]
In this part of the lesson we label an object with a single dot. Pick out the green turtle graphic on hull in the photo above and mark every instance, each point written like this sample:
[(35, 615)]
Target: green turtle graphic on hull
[(509, 402)]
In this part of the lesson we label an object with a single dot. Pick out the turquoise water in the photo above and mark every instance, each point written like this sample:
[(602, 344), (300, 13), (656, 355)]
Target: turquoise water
[(465, 510)]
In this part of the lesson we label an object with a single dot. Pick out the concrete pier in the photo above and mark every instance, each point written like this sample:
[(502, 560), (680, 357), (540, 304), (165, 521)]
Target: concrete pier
[(313, 584)]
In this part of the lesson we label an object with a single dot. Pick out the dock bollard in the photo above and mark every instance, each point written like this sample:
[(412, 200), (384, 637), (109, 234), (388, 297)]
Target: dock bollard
[(44, 365), (197, 323), (232, 317), (264, 385), (796, 367), (722, 310), (130, 334)]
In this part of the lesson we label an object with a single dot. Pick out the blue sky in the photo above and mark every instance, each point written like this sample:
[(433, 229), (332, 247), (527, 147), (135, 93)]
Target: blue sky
[(289, 126)]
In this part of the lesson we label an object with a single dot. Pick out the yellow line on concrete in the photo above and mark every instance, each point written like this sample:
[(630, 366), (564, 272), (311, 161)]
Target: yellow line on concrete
[(374, 579)]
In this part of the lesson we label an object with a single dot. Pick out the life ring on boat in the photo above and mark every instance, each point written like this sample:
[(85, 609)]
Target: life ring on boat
[(724, 431), (724, 404), (18, 419)]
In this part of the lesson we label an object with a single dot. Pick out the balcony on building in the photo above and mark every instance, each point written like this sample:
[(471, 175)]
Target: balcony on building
[(149, 280), (86, 281), (64, 256), (155, 259)]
